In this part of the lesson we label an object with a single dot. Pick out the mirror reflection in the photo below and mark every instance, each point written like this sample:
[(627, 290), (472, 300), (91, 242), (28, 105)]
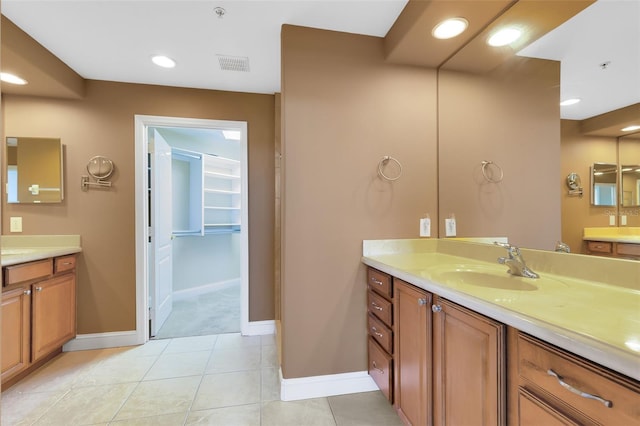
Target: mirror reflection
[(629, 158), (34, 170), (603, 178)]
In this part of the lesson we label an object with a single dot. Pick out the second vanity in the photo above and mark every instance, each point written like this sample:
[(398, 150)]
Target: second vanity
[(38, 301), (622, 242), (462, 340)]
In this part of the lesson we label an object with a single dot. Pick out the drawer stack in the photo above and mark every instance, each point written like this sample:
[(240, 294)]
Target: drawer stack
[(380, 323)]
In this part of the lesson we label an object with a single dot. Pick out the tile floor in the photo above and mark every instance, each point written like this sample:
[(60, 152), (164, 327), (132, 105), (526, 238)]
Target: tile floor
[(221, 379)]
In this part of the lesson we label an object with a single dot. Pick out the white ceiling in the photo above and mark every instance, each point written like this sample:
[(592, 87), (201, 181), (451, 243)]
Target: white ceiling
[(114, 40)]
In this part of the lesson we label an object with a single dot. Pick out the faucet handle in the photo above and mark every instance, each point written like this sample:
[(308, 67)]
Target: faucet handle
[(503, 245)]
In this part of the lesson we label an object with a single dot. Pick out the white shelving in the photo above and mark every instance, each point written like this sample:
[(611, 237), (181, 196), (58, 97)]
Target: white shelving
[(214, 193)]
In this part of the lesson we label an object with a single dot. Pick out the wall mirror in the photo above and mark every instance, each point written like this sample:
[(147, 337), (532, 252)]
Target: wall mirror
[(34, 170), (629, 160), (603, 184)]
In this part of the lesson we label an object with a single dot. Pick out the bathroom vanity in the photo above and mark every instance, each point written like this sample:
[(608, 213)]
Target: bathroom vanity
[(622, 242), (473, 344), (38, 302)]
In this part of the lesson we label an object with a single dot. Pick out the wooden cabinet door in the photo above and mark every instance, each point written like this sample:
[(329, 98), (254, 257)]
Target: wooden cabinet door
[(16, 314), (54, 314), (412, 353), (469, 367)]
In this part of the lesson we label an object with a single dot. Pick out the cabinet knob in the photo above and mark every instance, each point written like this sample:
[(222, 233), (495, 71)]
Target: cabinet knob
[(38, 288), (422, 302), (27, 292), (436, 308)]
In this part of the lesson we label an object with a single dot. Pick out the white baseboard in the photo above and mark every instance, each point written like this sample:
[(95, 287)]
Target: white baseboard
[(115, 339), (203, 289), (258, 328), (322, 386)]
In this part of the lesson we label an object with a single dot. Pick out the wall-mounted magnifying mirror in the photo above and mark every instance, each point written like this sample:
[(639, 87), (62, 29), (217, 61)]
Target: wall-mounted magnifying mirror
[(34, 170), (574, 183), (603, 184), (99, 168)]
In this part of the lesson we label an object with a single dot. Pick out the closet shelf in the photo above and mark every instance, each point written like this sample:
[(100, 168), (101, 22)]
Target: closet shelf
[(221, 191), (221, 175)]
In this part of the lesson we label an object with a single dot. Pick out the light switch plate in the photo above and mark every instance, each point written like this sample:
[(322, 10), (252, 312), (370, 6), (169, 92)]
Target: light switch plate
[(15, 224), (623, 220), (612, 220)]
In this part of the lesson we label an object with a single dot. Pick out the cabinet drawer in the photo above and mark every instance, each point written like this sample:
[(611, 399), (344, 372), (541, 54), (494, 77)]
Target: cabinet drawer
[(381, 333), (539, 361), (379, 282), (380, 307), (600, 246), (27, 271), (64, 263), (626, 249), (380, 368)]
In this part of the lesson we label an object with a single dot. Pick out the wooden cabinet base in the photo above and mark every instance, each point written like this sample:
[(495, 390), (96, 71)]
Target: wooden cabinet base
[(6, 384)]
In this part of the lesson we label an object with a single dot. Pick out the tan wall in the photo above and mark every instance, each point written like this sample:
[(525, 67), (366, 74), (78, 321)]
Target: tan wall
[(579, 152), (344, 109), (103, 124)]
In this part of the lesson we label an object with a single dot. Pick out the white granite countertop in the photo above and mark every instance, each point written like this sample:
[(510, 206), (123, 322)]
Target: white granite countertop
[(16, 249), (598, 321)]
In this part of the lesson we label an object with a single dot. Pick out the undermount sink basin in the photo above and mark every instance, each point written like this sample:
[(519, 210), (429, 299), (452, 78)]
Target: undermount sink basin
[(489, 278), (15, 251)]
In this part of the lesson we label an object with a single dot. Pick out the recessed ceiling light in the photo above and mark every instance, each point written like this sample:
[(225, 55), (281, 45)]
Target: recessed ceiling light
[(163, 61), (631, 128), (504, 36), (571, 101), (13, 79), (450, 28)]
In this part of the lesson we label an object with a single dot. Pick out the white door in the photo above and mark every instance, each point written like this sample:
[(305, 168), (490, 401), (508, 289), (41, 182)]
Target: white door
[(160, 252)]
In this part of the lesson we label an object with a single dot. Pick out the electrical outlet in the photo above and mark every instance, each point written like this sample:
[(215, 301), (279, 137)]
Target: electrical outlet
[(15, 224)]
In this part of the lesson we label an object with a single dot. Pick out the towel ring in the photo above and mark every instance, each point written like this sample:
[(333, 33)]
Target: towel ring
[(381, 165), (491, 179)]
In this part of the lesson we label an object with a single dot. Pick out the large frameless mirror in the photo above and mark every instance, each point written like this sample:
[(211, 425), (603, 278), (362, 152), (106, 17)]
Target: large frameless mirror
[(603, 184), (629, 158), (34, 170)]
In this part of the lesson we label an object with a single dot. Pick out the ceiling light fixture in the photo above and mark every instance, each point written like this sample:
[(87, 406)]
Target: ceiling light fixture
[(163, 61), (219, 11), (12, 79), (450, 28), (571, 101), (504, 37), (631, 128)]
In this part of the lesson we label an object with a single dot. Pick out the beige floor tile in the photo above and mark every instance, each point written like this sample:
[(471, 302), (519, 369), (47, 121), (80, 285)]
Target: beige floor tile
[(269, 357), (152, 347), (235, 340), (88, 405), (117, 370), (270, 384), (228, 389), (363, 409), (242, 415), (178, 365), (236, 359), (268, 340), (176, 419), (191, 344), (24, 409), (308, 412), (159, 397)]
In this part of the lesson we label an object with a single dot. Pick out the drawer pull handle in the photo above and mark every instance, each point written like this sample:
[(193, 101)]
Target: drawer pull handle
[(570, 388), (376, 281), (27, 292), (67, 263), (376, 306), (375, 331), (375, 367)]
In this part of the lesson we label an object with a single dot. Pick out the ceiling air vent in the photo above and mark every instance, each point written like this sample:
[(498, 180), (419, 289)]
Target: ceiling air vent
[(233, 63)]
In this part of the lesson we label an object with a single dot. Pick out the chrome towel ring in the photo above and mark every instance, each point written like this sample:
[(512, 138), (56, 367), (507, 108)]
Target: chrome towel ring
[(383, 163), (489, 174)]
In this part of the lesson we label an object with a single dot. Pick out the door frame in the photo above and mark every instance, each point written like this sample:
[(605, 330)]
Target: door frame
[(142, 123)]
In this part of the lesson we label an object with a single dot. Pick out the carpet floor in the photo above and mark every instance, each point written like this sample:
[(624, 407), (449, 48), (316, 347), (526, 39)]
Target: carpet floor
[(215, 312)]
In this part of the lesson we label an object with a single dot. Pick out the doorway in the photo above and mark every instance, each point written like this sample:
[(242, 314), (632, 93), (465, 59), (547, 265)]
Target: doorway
[(184, 139)]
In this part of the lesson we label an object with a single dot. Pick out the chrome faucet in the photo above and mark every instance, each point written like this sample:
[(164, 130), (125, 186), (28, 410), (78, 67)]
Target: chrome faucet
[(515, 262), (562, 247)]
